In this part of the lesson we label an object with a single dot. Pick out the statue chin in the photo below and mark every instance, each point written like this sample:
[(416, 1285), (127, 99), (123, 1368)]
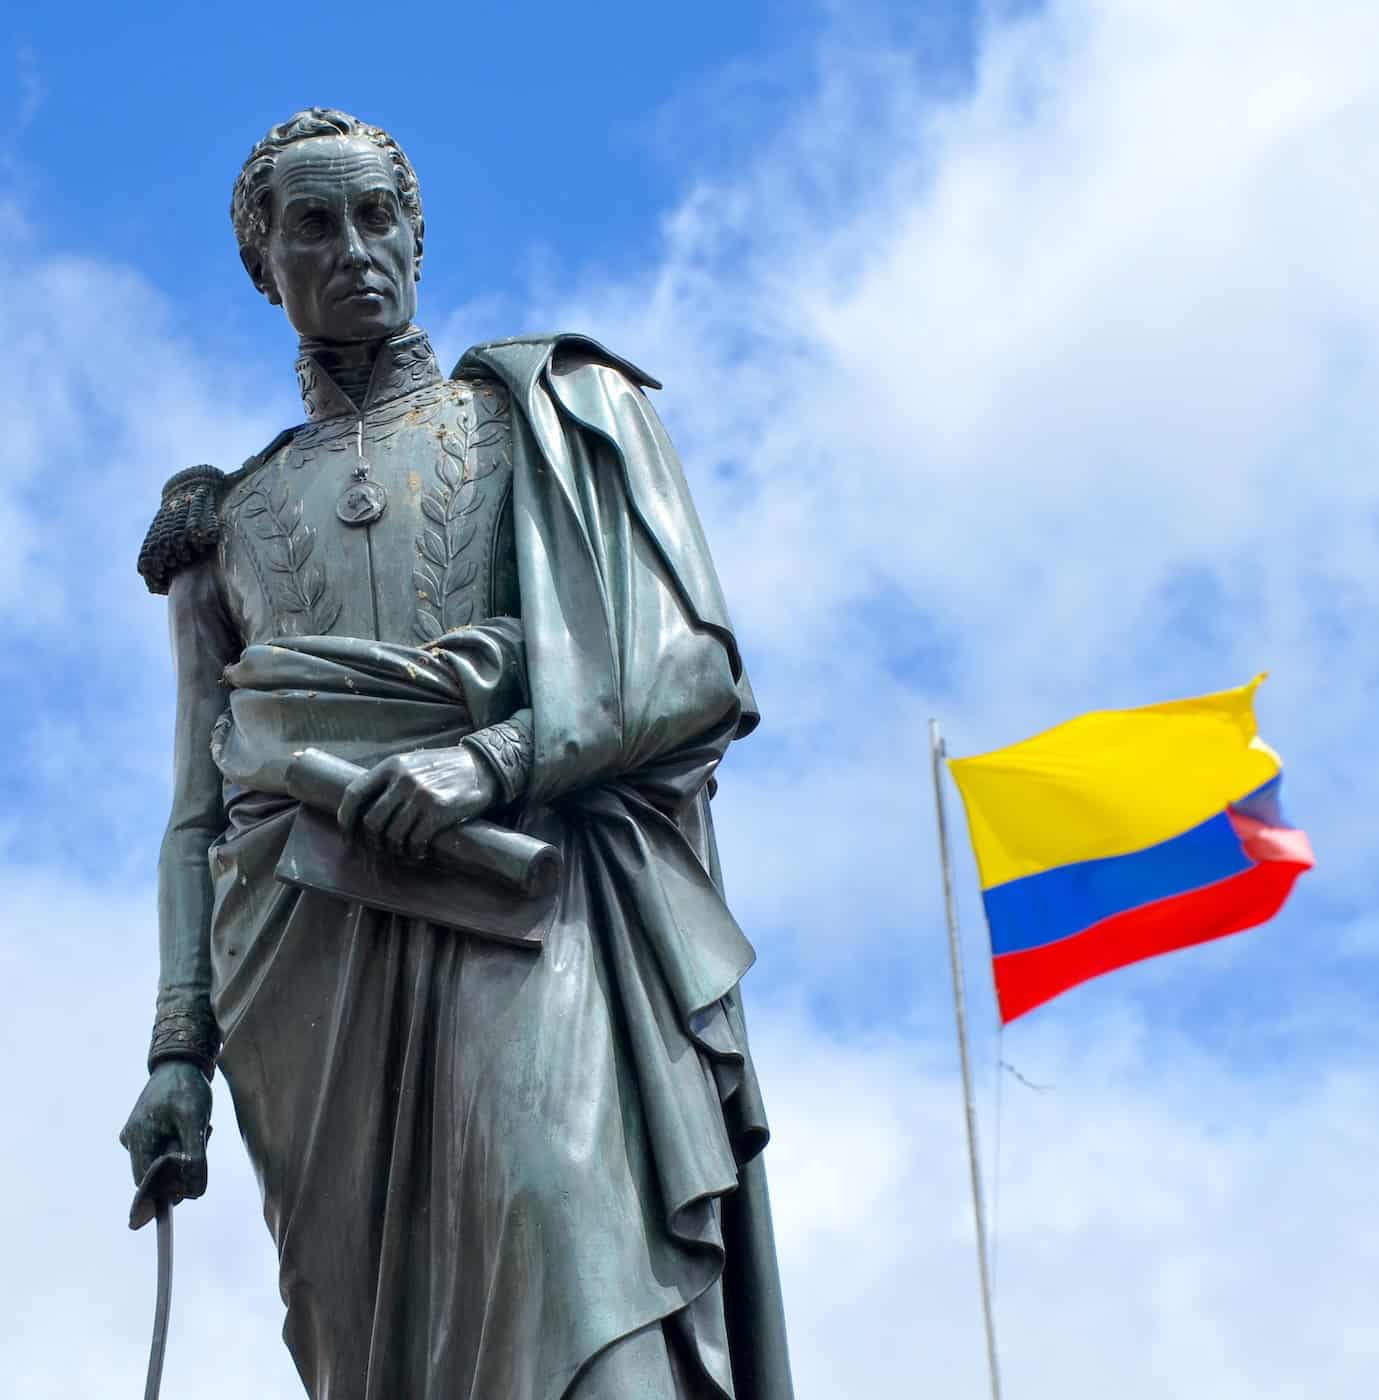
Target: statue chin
[(355, 325)]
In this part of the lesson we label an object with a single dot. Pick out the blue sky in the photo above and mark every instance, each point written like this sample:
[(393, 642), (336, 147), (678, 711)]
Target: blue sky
[(576, 126), (1024, 359)]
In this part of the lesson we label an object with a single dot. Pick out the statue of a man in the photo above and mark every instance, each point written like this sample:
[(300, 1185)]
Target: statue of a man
[(492, 1171)]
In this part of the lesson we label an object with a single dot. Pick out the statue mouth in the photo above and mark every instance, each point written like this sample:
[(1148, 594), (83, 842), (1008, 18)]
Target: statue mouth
[(364, 292)]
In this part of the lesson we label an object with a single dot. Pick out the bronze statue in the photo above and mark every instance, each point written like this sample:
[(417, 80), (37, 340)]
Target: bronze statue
[(508, 1137)]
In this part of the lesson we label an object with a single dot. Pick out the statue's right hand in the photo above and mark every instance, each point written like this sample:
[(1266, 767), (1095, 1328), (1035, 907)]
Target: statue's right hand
[(173, 1114)]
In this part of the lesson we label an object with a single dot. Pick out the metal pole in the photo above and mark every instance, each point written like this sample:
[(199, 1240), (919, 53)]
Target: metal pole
[(937, 751)]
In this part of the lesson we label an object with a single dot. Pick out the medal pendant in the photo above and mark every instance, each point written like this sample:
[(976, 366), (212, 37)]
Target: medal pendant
[(362, 503)]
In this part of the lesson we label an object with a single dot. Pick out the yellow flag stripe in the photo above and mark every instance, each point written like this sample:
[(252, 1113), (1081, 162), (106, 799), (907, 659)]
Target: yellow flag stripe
[(1111, 782)]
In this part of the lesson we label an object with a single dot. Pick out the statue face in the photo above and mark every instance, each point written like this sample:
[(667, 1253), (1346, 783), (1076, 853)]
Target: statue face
[(341, 255)]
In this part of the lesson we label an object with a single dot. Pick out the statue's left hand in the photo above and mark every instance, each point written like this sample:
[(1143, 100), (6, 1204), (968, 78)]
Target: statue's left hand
[(403, 803)]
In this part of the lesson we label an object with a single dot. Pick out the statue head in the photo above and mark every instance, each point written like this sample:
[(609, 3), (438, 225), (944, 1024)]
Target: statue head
[(327, 212)]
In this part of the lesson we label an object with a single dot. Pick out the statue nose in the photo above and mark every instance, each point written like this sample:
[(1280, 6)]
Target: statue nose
[(354, 251)]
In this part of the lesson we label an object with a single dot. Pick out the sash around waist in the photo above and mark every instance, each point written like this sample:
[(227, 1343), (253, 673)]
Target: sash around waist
[(360, 700)]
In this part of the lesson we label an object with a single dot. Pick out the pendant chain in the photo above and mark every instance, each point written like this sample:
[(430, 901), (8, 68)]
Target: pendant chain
[(361, 467), (363, 501)]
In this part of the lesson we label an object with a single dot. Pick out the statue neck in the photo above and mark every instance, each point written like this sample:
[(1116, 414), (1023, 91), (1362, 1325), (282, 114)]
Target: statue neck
[(349, 363), (346, 378)]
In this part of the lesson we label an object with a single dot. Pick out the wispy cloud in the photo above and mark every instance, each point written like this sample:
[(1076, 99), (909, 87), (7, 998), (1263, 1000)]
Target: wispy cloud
[(1053, 395), (1051, 388), (29, 81), (1161, 1231)]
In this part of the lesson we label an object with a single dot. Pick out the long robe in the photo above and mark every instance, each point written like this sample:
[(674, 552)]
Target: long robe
[(493, 1173)]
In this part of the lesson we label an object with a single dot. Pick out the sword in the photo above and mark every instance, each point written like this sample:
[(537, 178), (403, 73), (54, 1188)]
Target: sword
[(170, 1179)]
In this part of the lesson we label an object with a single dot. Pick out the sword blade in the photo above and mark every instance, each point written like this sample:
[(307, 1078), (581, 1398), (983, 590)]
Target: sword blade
[(163, 1308)]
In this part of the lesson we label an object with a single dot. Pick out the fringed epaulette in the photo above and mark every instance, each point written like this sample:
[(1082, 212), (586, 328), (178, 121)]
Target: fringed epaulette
[(186, 527)]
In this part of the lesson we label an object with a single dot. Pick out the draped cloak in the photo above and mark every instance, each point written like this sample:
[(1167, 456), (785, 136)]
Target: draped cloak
[(485, 1166)]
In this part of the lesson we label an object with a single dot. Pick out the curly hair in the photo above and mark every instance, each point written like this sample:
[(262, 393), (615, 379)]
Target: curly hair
[(251, 204)]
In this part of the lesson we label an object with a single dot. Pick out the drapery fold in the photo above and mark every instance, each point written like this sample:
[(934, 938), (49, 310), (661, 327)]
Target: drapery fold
[(364, 700), (359, 1049)]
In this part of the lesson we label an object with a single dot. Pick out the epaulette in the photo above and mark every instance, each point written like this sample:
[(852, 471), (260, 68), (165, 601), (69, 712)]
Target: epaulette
[(186, 527)]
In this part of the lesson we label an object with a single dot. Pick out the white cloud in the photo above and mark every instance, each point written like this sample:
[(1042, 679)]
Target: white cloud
[(1075, 375), (104, 400), (79, 965), (1057, 393), (1161, 1227)]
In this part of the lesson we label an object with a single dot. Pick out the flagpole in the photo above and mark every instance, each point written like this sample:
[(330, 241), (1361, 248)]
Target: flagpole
[(937, 753)]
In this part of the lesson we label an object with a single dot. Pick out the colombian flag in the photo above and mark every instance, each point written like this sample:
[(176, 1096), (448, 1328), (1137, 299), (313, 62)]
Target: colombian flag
[(1123, 834)]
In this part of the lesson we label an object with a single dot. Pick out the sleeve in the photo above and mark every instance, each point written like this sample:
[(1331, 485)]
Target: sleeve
[(204, 642), (506, 749), (488, 662)]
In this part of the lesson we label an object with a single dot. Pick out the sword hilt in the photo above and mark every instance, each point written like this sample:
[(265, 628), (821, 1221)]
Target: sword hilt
[(173, 1177)]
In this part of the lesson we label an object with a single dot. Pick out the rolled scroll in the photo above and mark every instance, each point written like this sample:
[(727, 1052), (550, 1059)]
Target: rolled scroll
[(531, 867)]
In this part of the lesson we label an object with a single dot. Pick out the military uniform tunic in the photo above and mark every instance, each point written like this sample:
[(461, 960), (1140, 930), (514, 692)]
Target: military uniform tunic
[(439, 555)]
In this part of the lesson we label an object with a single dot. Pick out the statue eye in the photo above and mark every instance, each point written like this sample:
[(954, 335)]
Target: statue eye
[(311, 226), (378, 216)]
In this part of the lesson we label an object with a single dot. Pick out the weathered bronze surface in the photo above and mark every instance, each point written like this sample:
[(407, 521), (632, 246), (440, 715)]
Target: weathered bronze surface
[(517, 1162)]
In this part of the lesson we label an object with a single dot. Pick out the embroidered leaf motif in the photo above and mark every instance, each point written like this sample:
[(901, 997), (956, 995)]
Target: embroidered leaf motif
[(313, 583), (472, 449), (433, 547), (457, 538), (301, 598), (460, 574), (510, 747), (467, 499), (450, 468), (492, 440), (426, 583)]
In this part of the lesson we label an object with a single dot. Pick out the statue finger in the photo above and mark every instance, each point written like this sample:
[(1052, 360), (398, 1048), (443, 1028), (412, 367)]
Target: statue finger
[(191, 1142), (380, 814), (132, 1131), (397, 835), (192, 1132), (144, 1147), (360, 794), (419, 839)]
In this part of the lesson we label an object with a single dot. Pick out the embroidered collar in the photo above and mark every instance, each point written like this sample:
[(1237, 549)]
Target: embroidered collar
[(405, 362)]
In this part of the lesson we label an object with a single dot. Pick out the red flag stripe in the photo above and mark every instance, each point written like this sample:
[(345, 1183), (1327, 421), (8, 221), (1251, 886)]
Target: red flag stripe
[(1033, 976)]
